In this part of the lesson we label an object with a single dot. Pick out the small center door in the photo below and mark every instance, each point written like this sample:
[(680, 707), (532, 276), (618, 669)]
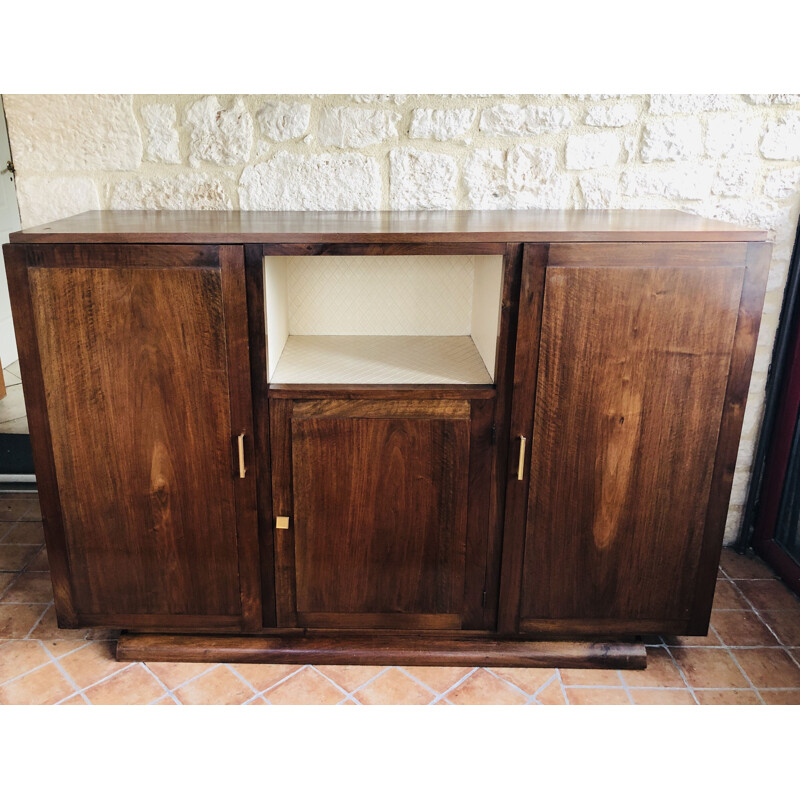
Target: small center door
[(382, 522)]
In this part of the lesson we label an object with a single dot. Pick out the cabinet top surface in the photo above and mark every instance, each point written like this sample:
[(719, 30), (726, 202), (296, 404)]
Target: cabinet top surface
[(376, 227)]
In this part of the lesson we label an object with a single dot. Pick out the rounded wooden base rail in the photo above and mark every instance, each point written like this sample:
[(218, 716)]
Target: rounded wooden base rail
[(520, 512), (380, 650)]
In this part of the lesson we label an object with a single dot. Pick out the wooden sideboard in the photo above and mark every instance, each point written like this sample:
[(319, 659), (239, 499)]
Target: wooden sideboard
[(570, 501)]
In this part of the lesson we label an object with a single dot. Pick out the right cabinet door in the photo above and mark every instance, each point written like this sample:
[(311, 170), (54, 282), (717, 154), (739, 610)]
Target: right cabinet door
[(621, 408)]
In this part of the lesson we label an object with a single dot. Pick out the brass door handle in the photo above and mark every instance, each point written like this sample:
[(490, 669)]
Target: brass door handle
[(242, 467), (521, 464)]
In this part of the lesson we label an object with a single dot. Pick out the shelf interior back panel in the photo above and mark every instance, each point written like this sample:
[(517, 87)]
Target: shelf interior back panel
[(380, 359)]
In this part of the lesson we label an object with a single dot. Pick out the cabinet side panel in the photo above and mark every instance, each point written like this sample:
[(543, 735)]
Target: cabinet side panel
[(134, 367), (631, 384)]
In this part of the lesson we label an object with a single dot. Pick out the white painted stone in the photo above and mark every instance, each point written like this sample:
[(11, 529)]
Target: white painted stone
[(741, 480), (592, 150), (522, 177), (44, 199), (732, 135), (732, 525), (196, 191), (329, 181), (514, 120), (614, 116), (782, 138), (782, 183), (681, 182), (676, 139), (219, 135), (162, 135), (597, 96), (356, 127), (599, 191), (421, 180), (283, 121), (754, 213), (778, 271), (773, 99), (690, 103), (736, 178), (441, 124), (73, 132), (397, 99)]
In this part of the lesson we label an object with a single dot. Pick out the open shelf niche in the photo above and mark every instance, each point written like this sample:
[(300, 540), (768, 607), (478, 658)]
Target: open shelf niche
[(382, 319)]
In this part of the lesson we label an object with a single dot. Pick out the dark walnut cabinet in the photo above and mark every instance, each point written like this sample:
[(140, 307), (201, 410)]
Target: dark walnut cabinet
[(234, 463)]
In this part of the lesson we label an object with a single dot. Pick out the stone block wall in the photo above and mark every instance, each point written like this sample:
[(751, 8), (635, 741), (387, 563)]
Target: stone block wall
[(733, 157)]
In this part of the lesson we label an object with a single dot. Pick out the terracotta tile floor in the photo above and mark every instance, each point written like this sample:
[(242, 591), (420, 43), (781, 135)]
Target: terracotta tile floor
[(751, 655)]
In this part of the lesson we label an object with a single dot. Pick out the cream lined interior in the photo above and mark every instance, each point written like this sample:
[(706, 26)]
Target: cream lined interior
[(382, 319)]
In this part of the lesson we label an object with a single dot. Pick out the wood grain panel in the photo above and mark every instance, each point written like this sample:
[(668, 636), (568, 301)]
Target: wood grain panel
[(389, 227), (644, 254), (135, 373), (383, 502), (254, 277), (526, 361), (631, 383), (377, 409), (16, 261), (744, 350)]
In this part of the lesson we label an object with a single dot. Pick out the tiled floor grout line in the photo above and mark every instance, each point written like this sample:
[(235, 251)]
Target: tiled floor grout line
[(437, 695), (757, 612), (519, 688), (245, 681), (682, 674), (351, 695), (262, 693), (563, 688), (443, 695), (739, 666), (164, 685), (621, 676), (6, 534), (70, 679), (41, 617)]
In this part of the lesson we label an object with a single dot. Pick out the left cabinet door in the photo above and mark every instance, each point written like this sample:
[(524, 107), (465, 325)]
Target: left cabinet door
[(135, 370)]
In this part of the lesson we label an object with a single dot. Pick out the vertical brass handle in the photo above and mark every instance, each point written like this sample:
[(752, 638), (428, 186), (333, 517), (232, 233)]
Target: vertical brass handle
[(521, 465), (242, 468)]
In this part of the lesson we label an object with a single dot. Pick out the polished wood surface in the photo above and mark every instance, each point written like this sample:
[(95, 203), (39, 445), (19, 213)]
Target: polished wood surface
[(135, 373), (382, 499), (744, 350), (16, 259), (257, 332), (520, 423), (381, 649), (630, 390), (352, 227)]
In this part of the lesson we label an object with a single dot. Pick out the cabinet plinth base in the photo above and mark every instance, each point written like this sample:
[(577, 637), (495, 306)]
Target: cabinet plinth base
[(380, 650)]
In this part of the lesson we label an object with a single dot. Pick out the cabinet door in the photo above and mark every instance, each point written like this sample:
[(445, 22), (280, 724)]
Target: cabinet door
[(134, 360), (382, 518), (621, 408)]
